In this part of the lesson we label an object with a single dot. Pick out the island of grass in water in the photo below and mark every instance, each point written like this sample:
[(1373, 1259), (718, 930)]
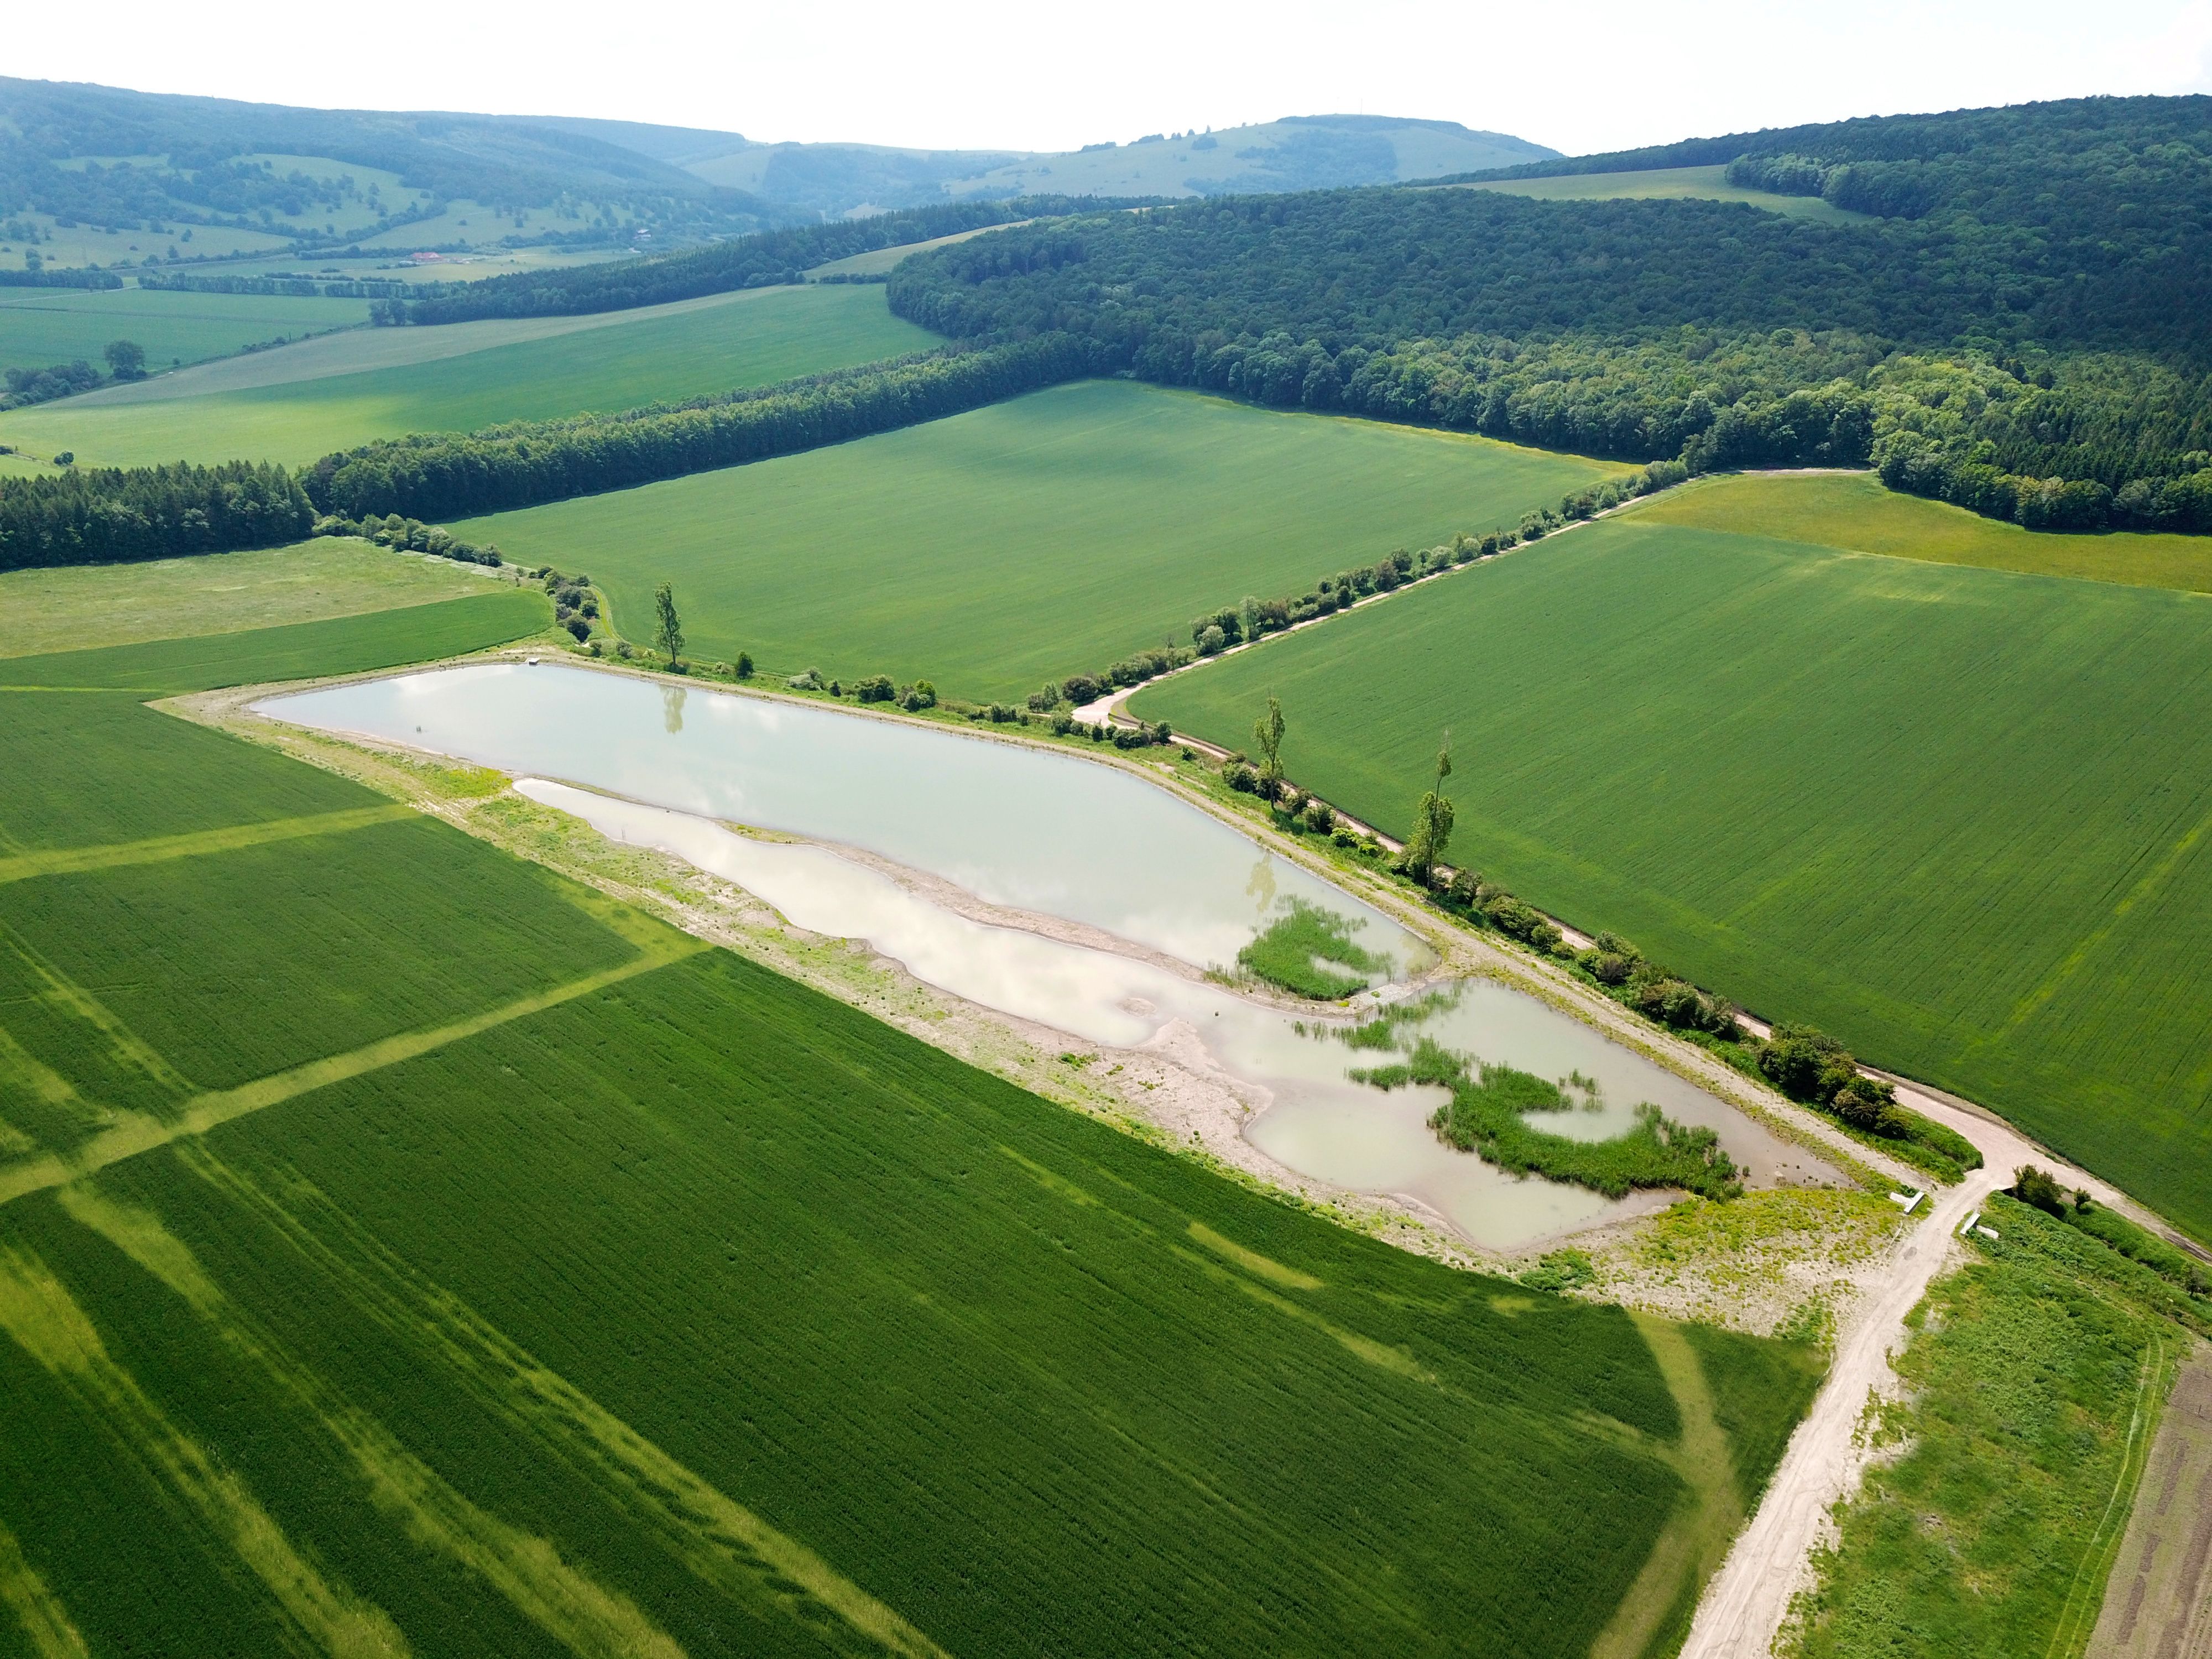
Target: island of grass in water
[(1302, 950)]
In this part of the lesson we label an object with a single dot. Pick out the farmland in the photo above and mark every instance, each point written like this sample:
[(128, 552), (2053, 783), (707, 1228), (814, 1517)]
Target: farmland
[(1853, 511), (993, 551), (1954, 814), (42, 325), (79, 607), (626, 359), (457, 1259), (1708, 183)]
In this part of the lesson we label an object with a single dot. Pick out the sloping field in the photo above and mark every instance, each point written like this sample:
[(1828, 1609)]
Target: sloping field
[(44, 325), (85, 607), (739, 340), (1669, 184), (547, 1282), (1033, 539), (1854, 511), (1957, 816)]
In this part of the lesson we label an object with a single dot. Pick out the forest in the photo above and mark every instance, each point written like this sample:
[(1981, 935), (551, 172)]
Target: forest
[(108, 515), (1993, 334)]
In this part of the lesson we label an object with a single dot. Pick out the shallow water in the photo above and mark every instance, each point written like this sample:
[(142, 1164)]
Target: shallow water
[(1017, 825), (1320, 1123)]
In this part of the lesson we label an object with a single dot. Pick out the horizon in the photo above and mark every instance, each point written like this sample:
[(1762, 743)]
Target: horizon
[(993, 82)]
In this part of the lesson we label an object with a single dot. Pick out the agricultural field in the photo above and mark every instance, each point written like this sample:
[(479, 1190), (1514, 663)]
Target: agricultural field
[(456, 1261), (81, 607), (336, 393), (1033, 539), (1955, 816), (39, 327), (1668, 185), (1854, 511)]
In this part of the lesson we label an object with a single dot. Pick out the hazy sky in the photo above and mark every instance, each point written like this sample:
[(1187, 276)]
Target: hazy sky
[(1578, 74)]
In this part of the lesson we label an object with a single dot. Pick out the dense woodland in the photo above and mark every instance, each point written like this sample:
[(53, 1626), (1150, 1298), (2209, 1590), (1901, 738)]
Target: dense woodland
[(108, 515), (2038, 307)]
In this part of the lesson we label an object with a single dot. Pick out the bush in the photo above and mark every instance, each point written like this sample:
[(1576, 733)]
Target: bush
[(1321, 818), (579, 628), (1241, 778), (877, 688), (745, 666), (2032, 1186)]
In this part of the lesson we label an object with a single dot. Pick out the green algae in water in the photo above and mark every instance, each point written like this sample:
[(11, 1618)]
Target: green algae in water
[(1296, 950)]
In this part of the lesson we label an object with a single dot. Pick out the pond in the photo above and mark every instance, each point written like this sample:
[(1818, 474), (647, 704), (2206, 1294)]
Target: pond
[(984, 816)]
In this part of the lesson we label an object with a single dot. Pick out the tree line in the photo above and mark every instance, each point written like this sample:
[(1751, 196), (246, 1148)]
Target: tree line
[(109, 515), (458, 475)]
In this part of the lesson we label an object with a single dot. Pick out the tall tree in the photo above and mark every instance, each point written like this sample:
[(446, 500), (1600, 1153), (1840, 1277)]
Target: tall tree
[(1268, 734), (1433, 822), (668, 627)]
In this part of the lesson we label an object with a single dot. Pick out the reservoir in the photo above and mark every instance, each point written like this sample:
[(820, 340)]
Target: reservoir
[(1048, 836)]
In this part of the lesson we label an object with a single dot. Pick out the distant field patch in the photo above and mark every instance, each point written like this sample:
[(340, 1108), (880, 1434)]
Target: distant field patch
[(684, 351), (1961, 817), (44, 325), (877, 261), (1856, 511), (1666, 183), (83, 607), (1029, 540)]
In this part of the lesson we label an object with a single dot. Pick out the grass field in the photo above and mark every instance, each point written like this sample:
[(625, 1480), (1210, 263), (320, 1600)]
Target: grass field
[(1031, 540), (1957, 816), (2036, 1373), (736, 340), (1855, 511), (455, 1262), (44, 325), (1666, 184), (83, 607)]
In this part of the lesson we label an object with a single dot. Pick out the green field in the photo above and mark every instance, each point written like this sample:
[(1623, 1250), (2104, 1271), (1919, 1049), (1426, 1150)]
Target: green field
[(44, 325), (1854, 511), (1957, 816), (682, 351), (1669, 184), (81, 607), (1029, 540), (448, 1260)]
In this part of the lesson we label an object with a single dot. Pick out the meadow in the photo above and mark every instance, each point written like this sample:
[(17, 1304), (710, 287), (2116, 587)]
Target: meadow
[(456, 1261), (1955, 816), (1029, 540), (625, 360), (1668, 185), (1854, 511), (80, 607), (42, 325)]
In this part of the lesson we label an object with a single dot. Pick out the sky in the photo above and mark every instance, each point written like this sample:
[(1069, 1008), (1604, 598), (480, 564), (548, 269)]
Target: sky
[(1580, 75)]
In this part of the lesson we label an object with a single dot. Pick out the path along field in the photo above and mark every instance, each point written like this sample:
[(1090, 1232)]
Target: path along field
[(1044, 537), (40, 327), (346, 397), (455, 1260), (1958, 817)]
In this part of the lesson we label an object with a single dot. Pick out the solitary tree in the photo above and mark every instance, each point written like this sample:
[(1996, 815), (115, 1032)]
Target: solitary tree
[(668, 631), (1267, 735), (1433, 822), (126, 359)]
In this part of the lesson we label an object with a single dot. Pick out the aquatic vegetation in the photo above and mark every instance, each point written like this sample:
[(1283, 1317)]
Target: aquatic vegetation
[(1294, 950)]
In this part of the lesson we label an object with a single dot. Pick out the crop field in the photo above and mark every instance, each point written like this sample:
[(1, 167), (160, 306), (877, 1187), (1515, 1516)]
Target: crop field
[(81, 607), (457, 1262), (1855, 512), (1957, 816), (44, 325), (340, 645), (1037, 538), (751, 338), (1669, 184)]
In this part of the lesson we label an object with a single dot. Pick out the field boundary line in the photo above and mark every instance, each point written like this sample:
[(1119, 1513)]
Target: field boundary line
[(142, 1132), (197, 844)]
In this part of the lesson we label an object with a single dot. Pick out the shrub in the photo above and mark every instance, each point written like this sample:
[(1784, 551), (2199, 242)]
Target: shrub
[(1321, 818), (877, 688), (745, 666), (579, 628), (2032, 1186), (1241, 778)]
